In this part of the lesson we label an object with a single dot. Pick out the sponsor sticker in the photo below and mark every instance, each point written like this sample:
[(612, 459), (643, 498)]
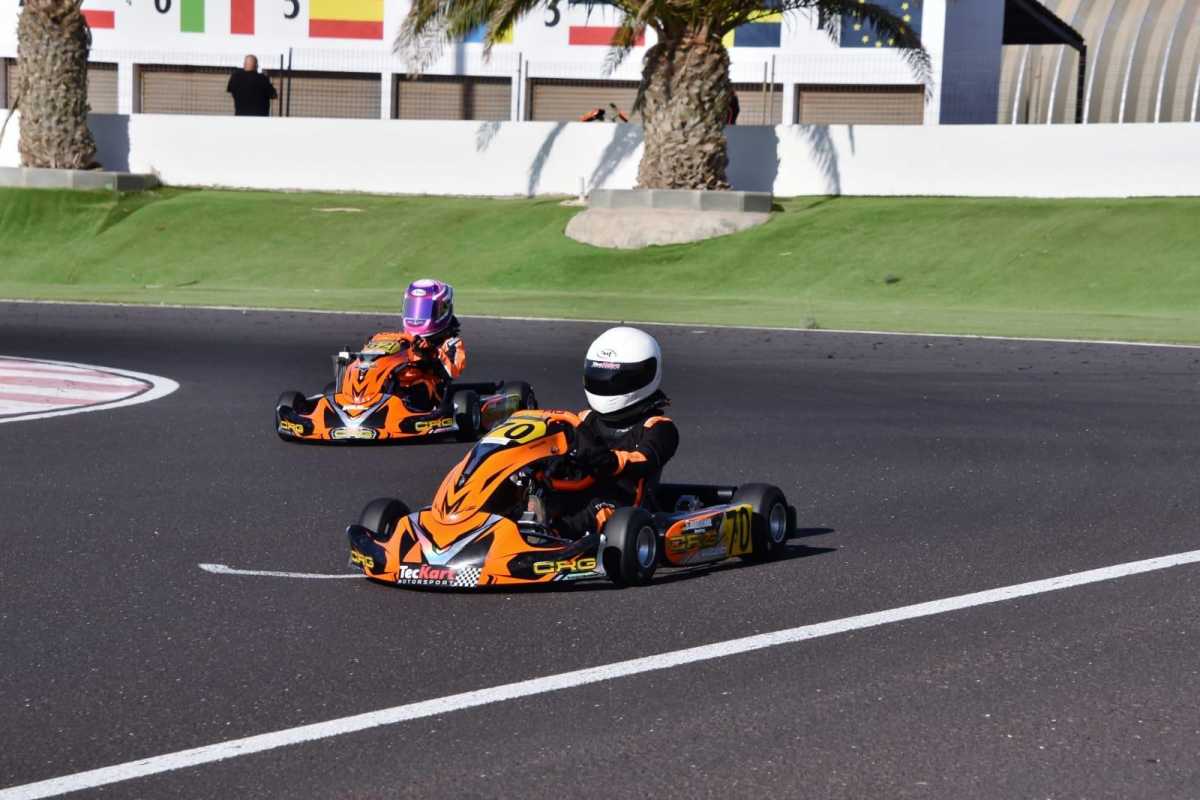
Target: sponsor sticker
[(361, 559), (576, 565), (294, 428), (426, 575), (353, 433), (433, 425), (381, 347)]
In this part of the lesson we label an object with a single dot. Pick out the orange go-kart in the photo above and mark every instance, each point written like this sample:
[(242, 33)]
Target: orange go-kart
[(492, 521), (390, 390)]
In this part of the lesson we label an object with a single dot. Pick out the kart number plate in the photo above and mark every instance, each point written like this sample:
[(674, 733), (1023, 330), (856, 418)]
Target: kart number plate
[(516, 430)]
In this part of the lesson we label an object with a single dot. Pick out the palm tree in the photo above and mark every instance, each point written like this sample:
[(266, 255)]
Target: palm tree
[(53, 40), (685, 89)]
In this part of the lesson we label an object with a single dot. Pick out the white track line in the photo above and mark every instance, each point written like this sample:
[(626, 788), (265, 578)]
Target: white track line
[(567, 680), (158, 388), (224, 569), (695, 325)]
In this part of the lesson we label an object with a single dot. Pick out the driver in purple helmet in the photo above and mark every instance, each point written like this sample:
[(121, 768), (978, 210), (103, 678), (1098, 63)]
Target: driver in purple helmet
[(429, 319)]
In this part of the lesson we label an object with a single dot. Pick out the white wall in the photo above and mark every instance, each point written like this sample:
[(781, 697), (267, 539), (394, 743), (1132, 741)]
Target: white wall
[(520, 158)]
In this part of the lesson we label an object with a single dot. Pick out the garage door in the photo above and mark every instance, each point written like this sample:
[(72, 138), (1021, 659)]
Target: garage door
[(566, 100), (102, 86), (860, 105), (451, 97), (345, 95), (185, 90)]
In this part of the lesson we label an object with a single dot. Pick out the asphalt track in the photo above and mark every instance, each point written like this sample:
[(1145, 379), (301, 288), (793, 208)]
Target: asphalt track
[(922, 468)]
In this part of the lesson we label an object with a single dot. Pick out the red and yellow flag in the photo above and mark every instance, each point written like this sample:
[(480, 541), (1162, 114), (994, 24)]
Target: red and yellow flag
[(345, 19)]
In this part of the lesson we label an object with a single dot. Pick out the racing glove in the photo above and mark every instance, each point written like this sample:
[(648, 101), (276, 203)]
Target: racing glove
[(594, 456), (599, 461)]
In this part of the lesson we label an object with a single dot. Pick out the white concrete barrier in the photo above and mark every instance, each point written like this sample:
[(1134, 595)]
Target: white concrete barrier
[(531, 158)]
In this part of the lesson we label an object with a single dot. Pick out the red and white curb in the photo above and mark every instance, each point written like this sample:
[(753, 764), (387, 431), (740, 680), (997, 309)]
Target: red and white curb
[(38, 388)]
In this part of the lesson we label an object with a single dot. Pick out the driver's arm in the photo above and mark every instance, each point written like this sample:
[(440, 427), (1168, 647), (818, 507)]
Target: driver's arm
[(453, 355), (660, 440)]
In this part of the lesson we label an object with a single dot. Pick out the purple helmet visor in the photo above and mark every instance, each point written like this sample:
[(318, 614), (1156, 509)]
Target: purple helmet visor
[(420, 311)]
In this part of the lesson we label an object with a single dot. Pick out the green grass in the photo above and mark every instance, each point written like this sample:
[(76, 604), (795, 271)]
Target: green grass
[(1063, 268)]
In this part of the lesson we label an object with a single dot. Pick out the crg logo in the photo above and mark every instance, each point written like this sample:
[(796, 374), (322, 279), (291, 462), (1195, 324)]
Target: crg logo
[(572, 565), (429, 426)]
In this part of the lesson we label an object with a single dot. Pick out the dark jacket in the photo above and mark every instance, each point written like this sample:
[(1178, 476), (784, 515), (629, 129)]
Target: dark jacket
[(252, 93), (642, 440)]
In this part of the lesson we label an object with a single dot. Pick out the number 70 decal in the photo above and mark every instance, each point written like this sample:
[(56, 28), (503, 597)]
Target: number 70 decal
[(737, 526)]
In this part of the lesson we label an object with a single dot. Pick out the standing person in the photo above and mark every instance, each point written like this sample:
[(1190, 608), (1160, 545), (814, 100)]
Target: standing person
[(252, 91)]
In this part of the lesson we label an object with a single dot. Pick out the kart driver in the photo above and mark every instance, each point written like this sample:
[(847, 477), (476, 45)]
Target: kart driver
[(624, 439), (429, 319)]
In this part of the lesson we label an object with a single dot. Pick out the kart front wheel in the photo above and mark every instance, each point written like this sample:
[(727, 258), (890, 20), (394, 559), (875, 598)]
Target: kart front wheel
[(467, 415), (770, 522), (630, 554), (522, 390), (381, 516), (289, 401)]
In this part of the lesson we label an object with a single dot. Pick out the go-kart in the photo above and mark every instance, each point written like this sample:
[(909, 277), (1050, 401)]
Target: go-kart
[(489, 526), (389, 391)]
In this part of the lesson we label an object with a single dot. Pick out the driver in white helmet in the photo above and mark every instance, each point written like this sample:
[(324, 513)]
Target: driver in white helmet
[(624, 439)]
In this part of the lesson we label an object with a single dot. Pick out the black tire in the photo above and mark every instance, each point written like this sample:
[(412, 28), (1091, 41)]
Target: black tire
[(631, 549), (290, 401), (770, 524), (381, 515), (329, 389), (524, 390), (293, 400), (467, 415)]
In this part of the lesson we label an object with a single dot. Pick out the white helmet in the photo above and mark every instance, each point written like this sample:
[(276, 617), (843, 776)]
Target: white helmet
[(623, 367)]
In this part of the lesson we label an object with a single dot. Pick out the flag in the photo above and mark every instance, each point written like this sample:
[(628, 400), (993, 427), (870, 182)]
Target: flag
[(856, 33), (765, 31), (476, 36), (241, 17), (598, 35), (100, 20), (345, 19), (191, 16)]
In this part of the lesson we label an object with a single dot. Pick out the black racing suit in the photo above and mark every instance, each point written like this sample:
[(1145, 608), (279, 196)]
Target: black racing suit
[(623, 453)]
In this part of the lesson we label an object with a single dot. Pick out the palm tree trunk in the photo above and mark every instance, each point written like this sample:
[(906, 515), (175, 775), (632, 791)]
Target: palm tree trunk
[(685, 99), (53, 40)]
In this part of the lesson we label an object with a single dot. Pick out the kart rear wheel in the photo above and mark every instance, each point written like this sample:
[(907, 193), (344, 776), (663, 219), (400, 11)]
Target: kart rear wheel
[(467, 415), (770, 523), (381, 516), (522, 390), (631, 548)]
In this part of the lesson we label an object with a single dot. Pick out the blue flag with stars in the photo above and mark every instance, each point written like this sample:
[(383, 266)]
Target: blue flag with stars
[(857, 33)]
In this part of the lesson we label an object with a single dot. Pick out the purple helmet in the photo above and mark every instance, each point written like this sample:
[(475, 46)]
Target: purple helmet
[(428, 307)]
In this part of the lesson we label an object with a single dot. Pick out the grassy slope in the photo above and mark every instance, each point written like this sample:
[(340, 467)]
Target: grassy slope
[(1122, 268)]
